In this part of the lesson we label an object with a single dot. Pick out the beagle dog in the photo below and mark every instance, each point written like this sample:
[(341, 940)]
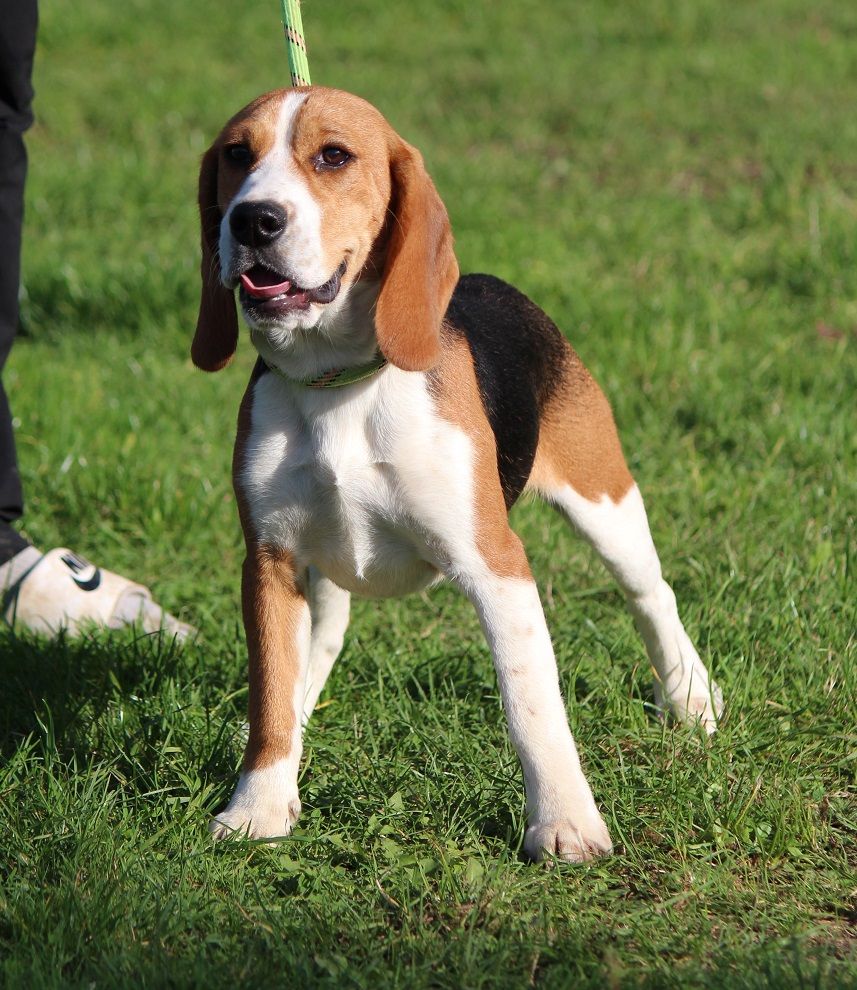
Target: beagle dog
[(395, 414)]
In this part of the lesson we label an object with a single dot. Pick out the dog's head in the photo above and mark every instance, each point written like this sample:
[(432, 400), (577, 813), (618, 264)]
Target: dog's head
[(304, 191)]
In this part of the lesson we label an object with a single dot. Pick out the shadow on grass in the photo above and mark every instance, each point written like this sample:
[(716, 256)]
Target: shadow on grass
[(117, 695), (139, 706), (63, 676)]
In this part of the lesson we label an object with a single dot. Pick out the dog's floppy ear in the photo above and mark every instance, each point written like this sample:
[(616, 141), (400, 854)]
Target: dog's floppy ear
[(420, 270), (216, 334)]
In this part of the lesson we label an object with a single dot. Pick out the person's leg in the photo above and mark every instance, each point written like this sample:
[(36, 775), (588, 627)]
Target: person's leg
[(17, 45), (59, 589)]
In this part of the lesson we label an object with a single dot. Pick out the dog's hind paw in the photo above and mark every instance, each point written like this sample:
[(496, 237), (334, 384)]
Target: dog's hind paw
[(567, 841), (701, 709)]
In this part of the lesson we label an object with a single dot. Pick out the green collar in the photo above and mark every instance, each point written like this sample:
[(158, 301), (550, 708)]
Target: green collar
[(336, 377)]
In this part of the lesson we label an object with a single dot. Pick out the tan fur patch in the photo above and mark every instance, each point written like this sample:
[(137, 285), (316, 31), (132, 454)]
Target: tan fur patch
[(457, 398), (272, 604), (578, 442)]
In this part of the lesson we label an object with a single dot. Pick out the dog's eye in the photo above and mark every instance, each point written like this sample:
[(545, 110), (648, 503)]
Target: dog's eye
[(240, 154), (333, 157)]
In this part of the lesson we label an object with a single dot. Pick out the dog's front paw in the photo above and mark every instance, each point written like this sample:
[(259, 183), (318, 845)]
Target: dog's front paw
[(572, 841), (255, 823), (261, 808)]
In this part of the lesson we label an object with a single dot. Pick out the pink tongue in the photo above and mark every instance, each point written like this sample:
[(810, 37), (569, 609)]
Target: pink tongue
[(263, 288)]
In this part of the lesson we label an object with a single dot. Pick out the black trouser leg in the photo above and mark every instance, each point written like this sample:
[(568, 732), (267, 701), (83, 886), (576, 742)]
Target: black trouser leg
[(17, 45), (13, 166)]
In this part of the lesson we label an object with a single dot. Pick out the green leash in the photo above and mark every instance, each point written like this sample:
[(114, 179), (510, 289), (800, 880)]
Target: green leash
[(299, 70), (295, 44)]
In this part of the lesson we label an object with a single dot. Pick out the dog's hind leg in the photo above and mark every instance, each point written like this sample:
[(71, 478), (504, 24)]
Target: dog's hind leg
[(454, 486), (562, 817), (580, 469), (330, 607)]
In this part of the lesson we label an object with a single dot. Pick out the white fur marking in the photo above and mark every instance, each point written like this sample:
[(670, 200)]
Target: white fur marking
[(367, 488), (300, 251), (330, 607)]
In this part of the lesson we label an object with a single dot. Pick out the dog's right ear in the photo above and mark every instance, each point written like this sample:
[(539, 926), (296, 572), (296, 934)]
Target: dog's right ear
[(216, 334), (420, 271)]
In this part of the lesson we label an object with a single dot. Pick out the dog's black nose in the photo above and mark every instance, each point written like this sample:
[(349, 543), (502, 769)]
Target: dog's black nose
[(257, 224)]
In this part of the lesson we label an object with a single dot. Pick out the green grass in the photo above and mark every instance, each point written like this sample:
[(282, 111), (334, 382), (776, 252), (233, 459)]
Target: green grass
[(675, 183)]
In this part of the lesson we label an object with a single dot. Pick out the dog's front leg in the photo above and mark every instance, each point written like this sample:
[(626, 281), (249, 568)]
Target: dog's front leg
[(277, 622), (562, 817)]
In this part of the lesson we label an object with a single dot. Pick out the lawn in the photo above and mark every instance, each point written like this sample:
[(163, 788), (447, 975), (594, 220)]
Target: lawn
[(676, 184)]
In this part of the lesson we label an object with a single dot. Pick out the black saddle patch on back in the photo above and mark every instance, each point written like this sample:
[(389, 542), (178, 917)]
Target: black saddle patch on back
[(519, 356)]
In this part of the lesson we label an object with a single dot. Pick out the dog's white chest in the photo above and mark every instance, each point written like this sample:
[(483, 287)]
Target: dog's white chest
[(339, 480)]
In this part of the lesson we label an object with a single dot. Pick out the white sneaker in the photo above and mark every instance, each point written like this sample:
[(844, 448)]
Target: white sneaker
[(61, 590)]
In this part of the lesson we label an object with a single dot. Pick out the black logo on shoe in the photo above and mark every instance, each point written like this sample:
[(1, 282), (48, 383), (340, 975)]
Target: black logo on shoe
[(85, 575)]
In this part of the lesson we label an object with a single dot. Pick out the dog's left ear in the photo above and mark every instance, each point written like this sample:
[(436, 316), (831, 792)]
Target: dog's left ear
[(420, 272), (216, 334)]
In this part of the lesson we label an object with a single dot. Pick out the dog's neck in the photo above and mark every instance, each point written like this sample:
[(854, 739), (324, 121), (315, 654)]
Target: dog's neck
[(343, 338)]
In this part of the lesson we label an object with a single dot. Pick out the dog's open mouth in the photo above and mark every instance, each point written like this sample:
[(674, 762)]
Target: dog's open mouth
[(266, 291)]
